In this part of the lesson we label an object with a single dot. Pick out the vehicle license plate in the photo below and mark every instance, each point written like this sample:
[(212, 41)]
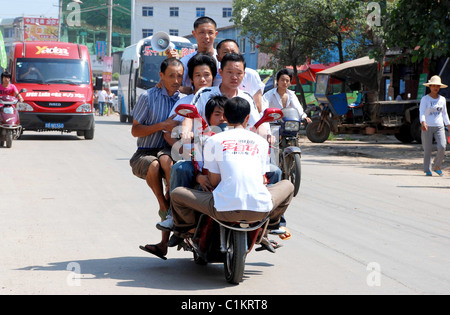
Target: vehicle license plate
[(54, 125)]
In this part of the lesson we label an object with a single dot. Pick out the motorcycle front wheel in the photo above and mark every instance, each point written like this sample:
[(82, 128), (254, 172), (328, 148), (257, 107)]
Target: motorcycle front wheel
[(9, 138), (293, 171), (235, 255)]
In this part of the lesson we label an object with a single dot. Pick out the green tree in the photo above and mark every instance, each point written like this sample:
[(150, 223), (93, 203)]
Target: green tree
[(277, 29), (421, 28), (343, 26), (295, 30)]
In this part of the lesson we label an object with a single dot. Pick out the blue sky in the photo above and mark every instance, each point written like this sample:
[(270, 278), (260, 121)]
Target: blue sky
[(31, 8)]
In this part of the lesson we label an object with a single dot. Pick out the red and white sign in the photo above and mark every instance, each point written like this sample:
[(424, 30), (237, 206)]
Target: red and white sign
[(107, 68), (40, 29)]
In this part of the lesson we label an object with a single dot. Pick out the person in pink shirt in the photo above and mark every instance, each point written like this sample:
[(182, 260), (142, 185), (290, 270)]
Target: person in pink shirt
[(7, 88)]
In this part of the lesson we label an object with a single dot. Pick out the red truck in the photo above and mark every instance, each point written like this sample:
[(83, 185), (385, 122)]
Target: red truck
[(59, 89)]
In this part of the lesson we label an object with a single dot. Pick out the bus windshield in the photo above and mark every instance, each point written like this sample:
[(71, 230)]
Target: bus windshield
[(151, 61), (52, 71)]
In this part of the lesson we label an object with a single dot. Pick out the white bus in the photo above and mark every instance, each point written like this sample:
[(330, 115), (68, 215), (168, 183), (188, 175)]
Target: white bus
[(139, 71)]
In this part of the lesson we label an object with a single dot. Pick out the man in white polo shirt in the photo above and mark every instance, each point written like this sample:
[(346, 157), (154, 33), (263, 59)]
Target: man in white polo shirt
[(232, 72)]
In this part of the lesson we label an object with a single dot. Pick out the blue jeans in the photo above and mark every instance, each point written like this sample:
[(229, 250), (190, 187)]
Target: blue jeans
[(101, 106), (274, 175), (182, 174)]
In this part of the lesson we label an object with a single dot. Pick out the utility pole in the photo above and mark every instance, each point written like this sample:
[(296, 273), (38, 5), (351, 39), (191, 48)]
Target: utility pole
[(60, 16), (109, 33)]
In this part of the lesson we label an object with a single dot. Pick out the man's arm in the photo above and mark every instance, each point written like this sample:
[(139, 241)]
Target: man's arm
[(139, 130), (214, 179), (257, 97), (169, 138)]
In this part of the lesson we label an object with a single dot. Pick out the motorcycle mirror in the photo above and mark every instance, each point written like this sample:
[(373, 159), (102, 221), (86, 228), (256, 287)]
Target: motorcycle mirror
[(23, 91), (269, 115), (190, 111), (187, 110)]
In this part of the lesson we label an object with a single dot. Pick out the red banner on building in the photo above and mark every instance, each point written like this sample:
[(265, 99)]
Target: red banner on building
[(40, 29)]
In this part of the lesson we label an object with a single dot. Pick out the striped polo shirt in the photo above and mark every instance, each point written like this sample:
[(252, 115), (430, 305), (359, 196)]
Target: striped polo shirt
[(153, 107)]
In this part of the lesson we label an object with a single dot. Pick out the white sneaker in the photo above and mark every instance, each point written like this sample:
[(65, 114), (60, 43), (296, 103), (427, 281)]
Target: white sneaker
[(166, 225)]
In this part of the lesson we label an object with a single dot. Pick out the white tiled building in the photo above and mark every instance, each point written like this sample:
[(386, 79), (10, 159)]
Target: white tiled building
[(175, 17)]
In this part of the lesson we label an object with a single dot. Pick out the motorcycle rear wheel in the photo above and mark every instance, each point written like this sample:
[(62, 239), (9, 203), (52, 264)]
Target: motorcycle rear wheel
[(235, 255)]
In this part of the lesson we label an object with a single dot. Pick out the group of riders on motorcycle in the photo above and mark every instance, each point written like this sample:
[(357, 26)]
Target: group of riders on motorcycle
[(227, 175)]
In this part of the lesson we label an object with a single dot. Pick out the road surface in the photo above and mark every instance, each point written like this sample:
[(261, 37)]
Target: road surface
[(73, 216)]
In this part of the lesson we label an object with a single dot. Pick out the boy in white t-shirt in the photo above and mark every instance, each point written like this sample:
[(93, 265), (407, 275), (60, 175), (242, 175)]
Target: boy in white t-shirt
[(237, 160)]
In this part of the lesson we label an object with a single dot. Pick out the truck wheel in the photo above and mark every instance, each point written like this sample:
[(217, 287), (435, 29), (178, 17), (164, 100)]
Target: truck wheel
[(316, 136), (404, 135), (89, 134), (416, 130)]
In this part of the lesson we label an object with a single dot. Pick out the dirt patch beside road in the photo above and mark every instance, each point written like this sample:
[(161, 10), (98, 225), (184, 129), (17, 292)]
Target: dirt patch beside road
[(382, 150)]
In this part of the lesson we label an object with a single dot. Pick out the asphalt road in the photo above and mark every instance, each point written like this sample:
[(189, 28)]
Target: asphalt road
[(72, 216)]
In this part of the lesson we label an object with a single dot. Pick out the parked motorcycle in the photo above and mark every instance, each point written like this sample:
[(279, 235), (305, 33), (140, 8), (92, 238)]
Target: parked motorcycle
[(229, 243), (10, 128), (289, 157)]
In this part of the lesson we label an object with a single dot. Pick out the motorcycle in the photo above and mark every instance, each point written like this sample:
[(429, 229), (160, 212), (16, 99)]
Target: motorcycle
[(10, 128), (216, 241), (289, 153)]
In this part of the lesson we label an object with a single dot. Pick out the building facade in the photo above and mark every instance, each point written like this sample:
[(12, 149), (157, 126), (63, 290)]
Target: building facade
[(175, 17)]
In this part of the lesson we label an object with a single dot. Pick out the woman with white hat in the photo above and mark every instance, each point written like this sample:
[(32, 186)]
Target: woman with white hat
[(433, 117)]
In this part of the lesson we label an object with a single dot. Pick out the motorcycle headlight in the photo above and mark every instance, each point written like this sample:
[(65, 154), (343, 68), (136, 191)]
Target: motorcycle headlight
[(24, 107), (85, 108), (292, 126), (8, 110)]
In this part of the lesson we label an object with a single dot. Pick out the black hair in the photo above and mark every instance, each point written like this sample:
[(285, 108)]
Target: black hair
[(226, 41), (215, 101), (284, 72), (236, 110), (204, 20), (232, 58), (170, 62), (199, 60), (6, 74)]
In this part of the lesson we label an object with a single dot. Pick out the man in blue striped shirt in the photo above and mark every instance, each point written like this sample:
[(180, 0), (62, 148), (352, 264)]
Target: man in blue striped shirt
[(152, 160)]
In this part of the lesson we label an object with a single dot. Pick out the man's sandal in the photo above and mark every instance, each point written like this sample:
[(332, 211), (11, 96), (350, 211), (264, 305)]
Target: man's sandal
[(287, 235), (154, 250)]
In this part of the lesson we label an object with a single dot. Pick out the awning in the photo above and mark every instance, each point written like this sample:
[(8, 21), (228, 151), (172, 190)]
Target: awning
[(308, 72), (364, 70)]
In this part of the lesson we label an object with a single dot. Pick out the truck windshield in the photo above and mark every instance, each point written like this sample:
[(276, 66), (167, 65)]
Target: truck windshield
[(52, 71)]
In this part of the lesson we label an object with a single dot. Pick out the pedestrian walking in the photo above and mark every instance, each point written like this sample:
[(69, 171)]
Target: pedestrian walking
[(102, 96), (433, 117)]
